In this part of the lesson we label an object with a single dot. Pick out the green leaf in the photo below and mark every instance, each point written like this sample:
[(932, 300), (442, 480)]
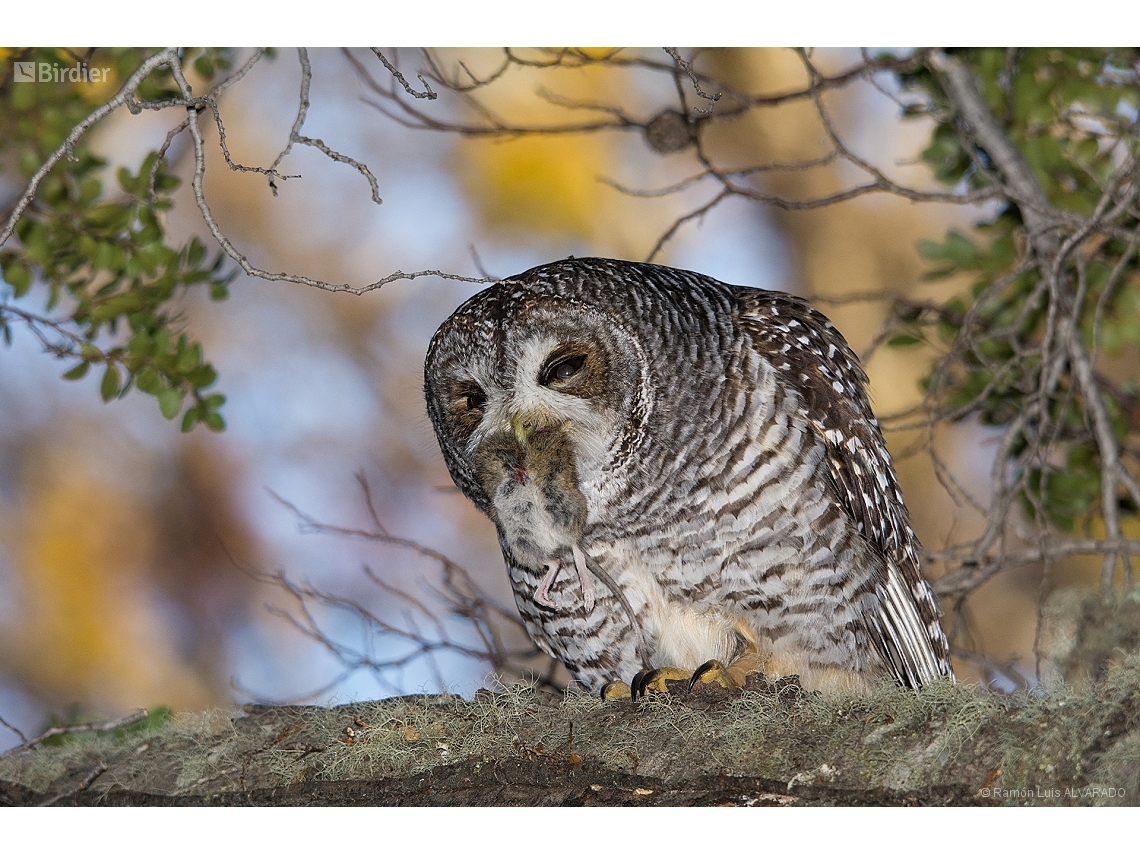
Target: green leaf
[(204, 66), (1000, 256), (107, 257), (202, 377), (1086, 150), (169, 402), (127, 181), (89, 190), (931, 250), (120, 304), (113, 216), (190, 359), (189, 420), (148, 381), (35, 240), (195, 252), (960, 249), (18, 276), (140, 343), (111, 384), (214, 421), (78, 372), (164, 183), (903, 340)]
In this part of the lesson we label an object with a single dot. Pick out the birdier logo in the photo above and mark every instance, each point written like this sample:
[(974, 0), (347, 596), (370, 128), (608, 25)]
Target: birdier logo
[(53, 72)]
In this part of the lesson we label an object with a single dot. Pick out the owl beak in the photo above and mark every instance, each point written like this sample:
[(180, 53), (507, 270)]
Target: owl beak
[(527, 423), (521, 427)]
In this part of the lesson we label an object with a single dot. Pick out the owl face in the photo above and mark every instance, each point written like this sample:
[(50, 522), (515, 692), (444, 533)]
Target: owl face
[(529, 389)]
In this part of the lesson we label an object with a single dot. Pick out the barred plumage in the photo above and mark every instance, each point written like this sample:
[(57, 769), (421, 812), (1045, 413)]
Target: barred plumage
[(682, 470)]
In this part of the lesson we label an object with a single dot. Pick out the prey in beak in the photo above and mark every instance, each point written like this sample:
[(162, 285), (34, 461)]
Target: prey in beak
[(531, 479)]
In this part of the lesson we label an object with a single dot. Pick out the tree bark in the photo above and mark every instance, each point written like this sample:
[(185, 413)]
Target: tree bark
[(773, 744)]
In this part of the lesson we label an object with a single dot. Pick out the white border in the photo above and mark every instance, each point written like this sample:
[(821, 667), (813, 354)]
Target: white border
[(442, 23)]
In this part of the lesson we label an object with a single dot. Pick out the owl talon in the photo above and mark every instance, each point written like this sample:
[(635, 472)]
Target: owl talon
[(615, 690), (715, 673), (654, 681)]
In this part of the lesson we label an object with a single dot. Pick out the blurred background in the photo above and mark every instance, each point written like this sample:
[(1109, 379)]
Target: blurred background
[(134, 558)]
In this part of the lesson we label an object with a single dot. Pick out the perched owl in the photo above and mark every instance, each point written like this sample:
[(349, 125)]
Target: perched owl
[(686, 479)]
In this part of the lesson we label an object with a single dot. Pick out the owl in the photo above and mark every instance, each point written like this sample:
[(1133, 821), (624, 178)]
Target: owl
[(686, 479)]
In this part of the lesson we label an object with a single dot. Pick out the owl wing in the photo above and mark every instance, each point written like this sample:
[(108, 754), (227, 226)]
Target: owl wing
[(812, 357)]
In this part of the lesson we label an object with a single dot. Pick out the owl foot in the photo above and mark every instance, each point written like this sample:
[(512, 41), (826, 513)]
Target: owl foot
[(730, 676), (615, 690), (654, 680), (542, 595), (746, 659), (649, 681)]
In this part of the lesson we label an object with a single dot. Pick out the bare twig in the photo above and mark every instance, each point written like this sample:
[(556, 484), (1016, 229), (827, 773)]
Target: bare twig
[(68, 343), (78, 788), (91, 727), (687, 69), (410, 641), (427, 93), (969, 576), (163, 149), (13, 728), (231, 250), (680, 221)]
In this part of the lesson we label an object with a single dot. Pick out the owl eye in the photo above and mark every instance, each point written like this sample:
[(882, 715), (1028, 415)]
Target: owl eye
[(473, 399), (563, 369)]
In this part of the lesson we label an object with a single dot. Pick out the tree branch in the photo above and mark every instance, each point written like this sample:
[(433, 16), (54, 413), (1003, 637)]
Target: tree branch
[(1021, 183), (167, 56)]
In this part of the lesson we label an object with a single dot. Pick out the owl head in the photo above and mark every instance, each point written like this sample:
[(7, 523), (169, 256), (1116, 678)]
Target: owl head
[(530, 378)]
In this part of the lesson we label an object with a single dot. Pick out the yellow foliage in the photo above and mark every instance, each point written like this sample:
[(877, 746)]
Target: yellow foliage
[(86, 629), (545, 184), (594, 52)]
